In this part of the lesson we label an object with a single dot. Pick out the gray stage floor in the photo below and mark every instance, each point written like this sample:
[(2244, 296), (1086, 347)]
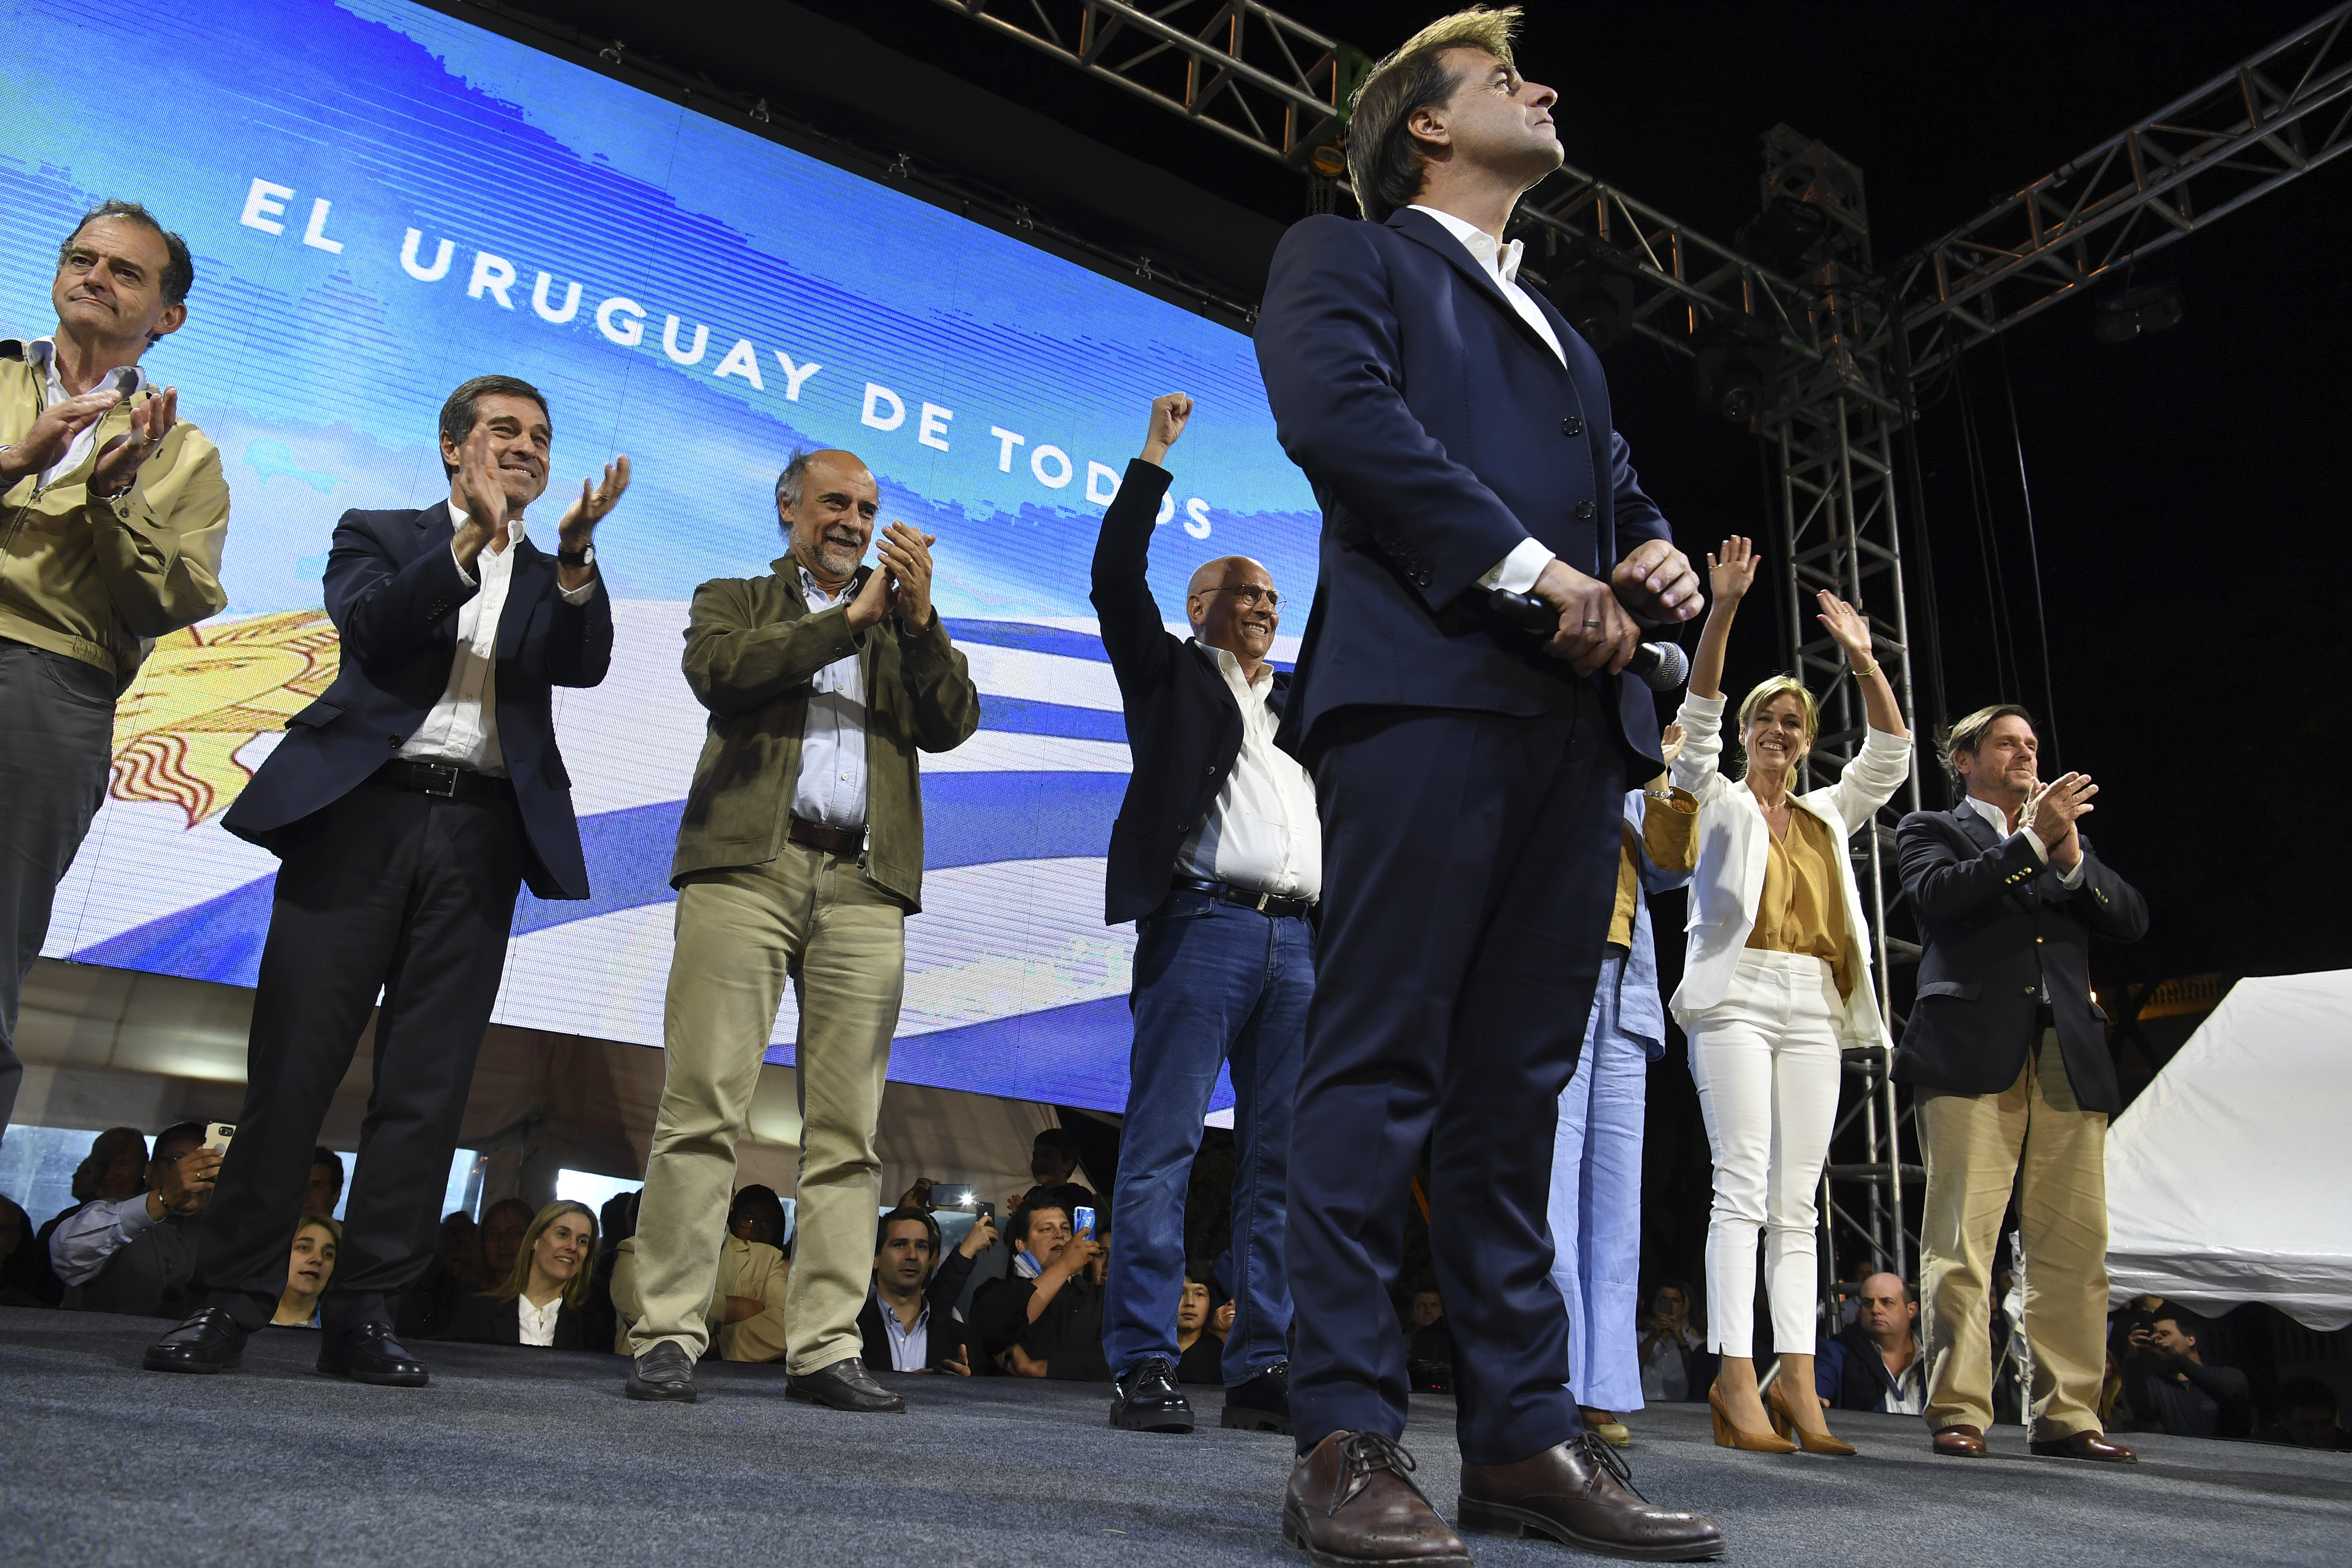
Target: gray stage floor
[(515, 1456)]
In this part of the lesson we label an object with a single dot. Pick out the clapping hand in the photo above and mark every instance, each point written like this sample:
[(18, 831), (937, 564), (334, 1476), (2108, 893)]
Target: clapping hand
[(581, 517), (2053, 811), (119, 461), (52, 432), (906, 561), (485, 497)]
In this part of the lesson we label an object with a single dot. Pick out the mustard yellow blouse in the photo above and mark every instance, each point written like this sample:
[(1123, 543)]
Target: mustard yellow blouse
[(1802, 907)]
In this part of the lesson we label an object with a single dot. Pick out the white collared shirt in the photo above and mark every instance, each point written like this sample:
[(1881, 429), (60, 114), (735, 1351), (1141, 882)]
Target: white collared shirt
[(832, 786), (463, 727), (538, 1323), (1516, 573), (1262, 833), (2000, 820), (129, 380)]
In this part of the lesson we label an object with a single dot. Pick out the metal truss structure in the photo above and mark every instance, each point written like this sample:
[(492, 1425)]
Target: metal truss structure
[(2268, 120), (1243, 71), (1813, 350)]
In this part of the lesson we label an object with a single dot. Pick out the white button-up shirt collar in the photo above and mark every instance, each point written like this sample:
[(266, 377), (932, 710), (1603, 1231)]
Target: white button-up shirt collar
[(538, 1323), (129, 380), (1262, 833), (1500, 263)]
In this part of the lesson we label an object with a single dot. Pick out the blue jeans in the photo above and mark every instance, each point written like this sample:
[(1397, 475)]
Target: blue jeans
[(1213, 981), (1596, 1205)]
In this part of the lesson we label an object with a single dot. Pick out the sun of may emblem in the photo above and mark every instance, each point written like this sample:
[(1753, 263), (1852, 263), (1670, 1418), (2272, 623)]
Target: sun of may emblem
[(206, 693)]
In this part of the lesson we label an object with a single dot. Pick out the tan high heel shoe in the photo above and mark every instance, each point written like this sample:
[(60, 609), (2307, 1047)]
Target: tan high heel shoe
[(1784, 1422), (1728, 1436)]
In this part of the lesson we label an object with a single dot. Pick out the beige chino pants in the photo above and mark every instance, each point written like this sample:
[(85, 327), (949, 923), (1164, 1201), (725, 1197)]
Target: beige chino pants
[(2034, 1136), (813, 917)]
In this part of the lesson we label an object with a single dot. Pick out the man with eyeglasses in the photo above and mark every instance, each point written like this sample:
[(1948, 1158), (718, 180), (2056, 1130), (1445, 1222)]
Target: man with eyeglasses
[(1218, 857), (137, 1255)]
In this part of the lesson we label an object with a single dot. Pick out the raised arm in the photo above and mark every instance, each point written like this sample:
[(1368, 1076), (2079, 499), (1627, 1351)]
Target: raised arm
[(1132, 631), (1730, 573)]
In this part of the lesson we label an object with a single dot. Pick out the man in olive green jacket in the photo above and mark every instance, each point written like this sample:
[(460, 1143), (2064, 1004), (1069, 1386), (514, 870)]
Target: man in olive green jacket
[(112, 513), (800, 855)]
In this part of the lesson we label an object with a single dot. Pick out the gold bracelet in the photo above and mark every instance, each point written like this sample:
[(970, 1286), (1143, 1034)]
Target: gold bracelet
[(1858, 671)]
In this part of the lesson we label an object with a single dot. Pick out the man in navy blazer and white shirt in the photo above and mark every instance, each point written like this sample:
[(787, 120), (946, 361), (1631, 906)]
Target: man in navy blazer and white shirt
[(406, 808), (2006, 1054), (1458, 436)]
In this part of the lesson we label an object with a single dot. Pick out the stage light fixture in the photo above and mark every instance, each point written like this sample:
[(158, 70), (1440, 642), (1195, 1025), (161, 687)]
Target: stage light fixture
[(2137, 311), (1739, 358)]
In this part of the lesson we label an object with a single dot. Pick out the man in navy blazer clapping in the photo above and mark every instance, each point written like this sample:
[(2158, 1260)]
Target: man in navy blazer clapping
[(406, 806), (1457, 432)]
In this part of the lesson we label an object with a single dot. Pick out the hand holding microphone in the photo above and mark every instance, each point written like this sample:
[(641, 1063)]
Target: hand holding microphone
[(1662, 667)]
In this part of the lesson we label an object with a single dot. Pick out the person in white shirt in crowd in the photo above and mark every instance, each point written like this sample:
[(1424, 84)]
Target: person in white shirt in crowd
[(138, 1254), (542, 1300), (407, 806), (1217, 855), (1874, 1363), (910, 1322), (308, 1271), (1776, 982), (1668, 1336)]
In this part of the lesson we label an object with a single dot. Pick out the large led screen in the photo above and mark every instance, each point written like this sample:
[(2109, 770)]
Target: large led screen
[(383, 202)]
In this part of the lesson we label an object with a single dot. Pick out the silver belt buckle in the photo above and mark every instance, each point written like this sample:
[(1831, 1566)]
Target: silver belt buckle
[(1262, 901), (441, 779)]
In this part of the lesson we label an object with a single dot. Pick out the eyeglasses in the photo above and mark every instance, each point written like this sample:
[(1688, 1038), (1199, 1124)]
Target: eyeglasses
[(1252, 597)]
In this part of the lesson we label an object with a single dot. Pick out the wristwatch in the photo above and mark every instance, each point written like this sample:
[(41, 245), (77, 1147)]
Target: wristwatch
[(584, 556)]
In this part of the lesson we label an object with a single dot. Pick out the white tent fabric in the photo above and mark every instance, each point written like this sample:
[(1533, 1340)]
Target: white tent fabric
[(2227, 1178)]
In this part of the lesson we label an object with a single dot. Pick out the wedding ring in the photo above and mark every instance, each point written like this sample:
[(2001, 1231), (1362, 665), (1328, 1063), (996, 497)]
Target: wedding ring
[(1590, 624)]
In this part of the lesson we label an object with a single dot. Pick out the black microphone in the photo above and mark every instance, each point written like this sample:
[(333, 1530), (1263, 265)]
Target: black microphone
[(1660, 666)]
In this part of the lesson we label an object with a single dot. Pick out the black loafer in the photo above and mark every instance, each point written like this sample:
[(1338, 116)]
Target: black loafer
[(1261, 1404), (664, 1371), (209, 1342), (370, 1355), (1146, 1400), (844, 1386)]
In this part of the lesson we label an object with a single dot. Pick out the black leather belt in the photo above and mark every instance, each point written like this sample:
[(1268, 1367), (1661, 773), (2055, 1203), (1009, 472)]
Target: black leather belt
[(1272, 905), (845, 841), (443, 779)]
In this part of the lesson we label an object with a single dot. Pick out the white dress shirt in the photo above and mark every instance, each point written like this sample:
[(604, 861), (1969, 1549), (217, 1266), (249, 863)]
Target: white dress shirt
[(832, 786), (1262, 833), (462, 729), (538, 1323), (128, 380), (2000, 820), (1516, 573)]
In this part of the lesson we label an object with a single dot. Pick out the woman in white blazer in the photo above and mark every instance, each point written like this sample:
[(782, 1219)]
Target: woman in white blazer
[(1776, 981)]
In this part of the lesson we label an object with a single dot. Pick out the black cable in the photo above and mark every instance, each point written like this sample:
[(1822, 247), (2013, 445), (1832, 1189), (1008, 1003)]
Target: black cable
[(1989, 548), (2033, 548)]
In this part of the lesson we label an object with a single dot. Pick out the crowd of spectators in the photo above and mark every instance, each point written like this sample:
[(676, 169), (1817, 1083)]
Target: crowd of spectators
[(1027, 1302)]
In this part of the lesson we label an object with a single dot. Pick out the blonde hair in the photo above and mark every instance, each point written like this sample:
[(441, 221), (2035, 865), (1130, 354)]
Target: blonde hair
[(1768, 690), (575, 1289), (1383, 162)]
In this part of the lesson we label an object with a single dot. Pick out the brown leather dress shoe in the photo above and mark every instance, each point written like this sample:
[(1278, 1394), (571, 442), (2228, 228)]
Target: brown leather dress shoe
[(1580, 1492), (1353, 1504), (2085, 1446), (1962, 1442)]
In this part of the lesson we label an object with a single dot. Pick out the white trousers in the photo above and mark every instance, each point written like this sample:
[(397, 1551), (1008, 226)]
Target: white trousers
[(1766, 1064)]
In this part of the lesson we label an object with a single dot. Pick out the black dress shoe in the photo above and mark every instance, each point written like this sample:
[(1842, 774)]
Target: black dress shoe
[(664, 1371), (1146, 1400), (209, 1342), (370, 1355), (844, 1386), (1576, 1493), (1261, 1404)]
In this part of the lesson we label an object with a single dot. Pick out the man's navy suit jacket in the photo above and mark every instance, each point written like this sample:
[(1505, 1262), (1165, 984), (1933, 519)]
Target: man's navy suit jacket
[(1439, 431), (2000, 932), (394, 591)]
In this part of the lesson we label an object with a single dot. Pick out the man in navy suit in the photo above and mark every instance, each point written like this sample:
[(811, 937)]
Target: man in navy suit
[(406, 805), (1457, 432), (2007, 1057)]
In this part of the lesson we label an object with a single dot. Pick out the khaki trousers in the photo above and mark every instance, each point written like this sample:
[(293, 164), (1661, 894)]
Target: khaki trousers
[(813, 918), (2032, 1135)]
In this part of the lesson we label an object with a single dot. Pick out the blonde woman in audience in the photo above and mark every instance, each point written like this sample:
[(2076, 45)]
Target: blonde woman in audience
[(541, 1299), (1776, 981), (308, 1271)]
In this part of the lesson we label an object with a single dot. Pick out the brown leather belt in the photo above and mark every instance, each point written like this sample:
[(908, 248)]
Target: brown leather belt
[(442, 779), (849, 842)]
